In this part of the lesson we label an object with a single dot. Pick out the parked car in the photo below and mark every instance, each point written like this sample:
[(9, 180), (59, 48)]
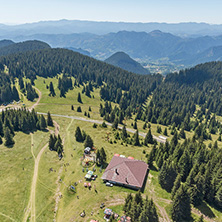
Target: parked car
[(109, 184)]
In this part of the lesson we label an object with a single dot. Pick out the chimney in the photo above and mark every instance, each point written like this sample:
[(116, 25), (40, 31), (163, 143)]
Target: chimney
[(126, 180), (116, 171)]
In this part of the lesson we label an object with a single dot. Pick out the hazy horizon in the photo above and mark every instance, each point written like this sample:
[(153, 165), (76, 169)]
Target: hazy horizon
[(86, 20), (172, 11)]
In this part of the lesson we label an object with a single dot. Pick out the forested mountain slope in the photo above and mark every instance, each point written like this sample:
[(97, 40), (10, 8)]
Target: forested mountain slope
[(50, 62), (21, 47), (123, 61), (5, 42)]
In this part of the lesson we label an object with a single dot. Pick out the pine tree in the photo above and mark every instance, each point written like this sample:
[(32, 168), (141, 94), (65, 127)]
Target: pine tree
[(42, 122), (165, 132), (124, 133), (15, 94), (136, 141), (144, 125), (181, 209), (115, 123), (79, 98), (98, 156), (103, 156), (78, 135), (49, 120), (58, 145), (182, 134), (174, 139), (176, 186), (151, 156), (128, 199), (135, 125), (8, 137), (148, 138), (79, 109), (88, 142), (52, 141), (51, 90)]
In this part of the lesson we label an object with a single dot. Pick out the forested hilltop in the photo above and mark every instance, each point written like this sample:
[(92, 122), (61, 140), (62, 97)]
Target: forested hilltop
[(50, 62)]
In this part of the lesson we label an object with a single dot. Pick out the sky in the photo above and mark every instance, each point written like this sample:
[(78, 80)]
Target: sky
[(170, 11)]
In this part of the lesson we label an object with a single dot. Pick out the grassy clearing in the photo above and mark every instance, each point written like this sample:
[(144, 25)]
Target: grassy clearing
[(16, 174)]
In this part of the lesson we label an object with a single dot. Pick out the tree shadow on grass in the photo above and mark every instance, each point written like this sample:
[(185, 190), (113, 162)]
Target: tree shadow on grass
[(204, 209), (10, 146)]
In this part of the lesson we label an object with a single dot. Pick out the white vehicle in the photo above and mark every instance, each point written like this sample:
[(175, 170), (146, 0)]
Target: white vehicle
[(109, 184)]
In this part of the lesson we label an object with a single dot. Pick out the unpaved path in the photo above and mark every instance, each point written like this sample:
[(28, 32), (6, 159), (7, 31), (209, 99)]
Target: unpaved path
[(6, 216), (100, 122), (31, 204), (38, 100)]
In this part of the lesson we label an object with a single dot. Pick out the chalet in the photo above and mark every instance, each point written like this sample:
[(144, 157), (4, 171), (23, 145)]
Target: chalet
[(126, 172)]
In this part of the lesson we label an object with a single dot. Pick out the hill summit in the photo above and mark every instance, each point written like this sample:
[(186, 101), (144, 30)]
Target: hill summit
[(122, 60)]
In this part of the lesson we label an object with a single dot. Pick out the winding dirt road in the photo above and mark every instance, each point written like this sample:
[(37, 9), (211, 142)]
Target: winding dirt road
[(100, 122)]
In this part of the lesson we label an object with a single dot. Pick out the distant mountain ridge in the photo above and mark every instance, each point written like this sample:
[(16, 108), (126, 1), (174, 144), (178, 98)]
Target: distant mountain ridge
[(79, 50), (122, 60), (101, 28), (13, 48), (5, 42)]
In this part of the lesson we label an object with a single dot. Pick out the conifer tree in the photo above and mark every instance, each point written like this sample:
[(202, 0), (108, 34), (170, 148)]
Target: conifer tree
[(88, 141), (79, 109), (115, 123), (176, 186), (51, 90), (174, 139), (135, 125), (15, 94), (79, 98), (148, 138), (103, 156), (8, 137), (78, 134), (182, 134), (181, 209), (49, 120), (136, 141), (165, 132), (52, 141), (58, 145), (128, 199), (42, 122), (124, 133), (151, 156)]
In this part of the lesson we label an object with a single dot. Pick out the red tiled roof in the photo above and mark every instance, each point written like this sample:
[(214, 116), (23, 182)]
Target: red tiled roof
[(126, 171)]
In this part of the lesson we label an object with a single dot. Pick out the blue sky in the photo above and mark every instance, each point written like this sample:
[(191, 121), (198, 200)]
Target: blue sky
[(171, 11)]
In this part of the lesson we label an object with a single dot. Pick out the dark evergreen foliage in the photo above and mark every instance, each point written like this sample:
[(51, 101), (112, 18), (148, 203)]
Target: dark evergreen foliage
[(140, 210)]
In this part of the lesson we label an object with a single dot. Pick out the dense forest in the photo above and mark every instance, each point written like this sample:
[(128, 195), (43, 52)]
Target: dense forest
[(9, 48), (50, 62)]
